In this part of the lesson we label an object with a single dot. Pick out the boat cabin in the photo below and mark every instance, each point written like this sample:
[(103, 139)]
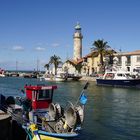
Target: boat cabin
[(120, 75), (41, 96)]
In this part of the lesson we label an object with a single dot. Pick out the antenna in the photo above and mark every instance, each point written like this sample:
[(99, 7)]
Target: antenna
[(67, 56), (120, 50), (37, 67), (16, 65)]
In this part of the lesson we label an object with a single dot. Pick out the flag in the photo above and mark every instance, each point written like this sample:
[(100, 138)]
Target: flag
[(83, 99)]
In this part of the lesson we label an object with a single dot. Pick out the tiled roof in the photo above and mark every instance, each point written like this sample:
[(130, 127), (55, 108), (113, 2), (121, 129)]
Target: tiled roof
[(93, 53), (137, 52), (76, 62)]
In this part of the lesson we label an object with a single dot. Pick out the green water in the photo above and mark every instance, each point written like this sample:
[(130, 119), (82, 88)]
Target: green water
[(110, 114)]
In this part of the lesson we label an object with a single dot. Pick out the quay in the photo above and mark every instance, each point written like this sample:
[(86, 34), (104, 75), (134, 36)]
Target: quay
[(88, 78), (5, 126), (36, 75), (9, 129), (25, 74)]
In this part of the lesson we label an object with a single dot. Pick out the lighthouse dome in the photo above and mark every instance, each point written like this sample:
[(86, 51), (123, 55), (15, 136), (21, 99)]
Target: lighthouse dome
[(78, 27)]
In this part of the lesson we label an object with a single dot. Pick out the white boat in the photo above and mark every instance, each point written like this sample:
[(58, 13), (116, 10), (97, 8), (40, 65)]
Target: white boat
[(61, 77), (2, 73), (118, 78), (73, 77)]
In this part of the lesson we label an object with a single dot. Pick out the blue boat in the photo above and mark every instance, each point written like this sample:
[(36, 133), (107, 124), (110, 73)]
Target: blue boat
[(118, 79)]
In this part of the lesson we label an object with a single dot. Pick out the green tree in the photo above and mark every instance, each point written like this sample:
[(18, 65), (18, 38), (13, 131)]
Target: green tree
[(101, 47), (55, 60), (78, 67), (47, 66), (110, 53)]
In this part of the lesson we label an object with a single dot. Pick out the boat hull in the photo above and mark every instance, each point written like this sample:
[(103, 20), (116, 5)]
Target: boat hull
[(123, 83), (55, 79), (58, 135), (2, 75), (44, 135)]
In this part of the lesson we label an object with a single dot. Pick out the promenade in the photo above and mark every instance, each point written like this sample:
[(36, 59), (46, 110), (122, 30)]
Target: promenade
[(88, 78)]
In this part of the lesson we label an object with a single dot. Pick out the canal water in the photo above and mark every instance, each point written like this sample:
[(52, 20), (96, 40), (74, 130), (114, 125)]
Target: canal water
[(110, 113)]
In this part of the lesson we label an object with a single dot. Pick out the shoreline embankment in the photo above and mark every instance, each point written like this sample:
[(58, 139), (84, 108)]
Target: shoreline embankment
[(10, 129), (88, 78)]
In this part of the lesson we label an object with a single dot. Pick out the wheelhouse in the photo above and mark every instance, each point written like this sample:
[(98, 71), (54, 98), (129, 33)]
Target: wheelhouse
[(40, 96)]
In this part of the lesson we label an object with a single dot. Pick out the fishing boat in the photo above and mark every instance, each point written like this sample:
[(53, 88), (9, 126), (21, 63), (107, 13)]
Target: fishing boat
[(118, 78), (33, 134), (2, 73), (60, 77), (73, 77), (57, 121), (50, 120)]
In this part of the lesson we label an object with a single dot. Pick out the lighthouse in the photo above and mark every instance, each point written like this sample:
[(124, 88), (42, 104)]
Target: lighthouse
[(77, 37)]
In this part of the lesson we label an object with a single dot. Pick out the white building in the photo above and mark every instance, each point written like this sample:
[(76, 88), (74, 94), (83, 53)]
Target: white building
[(128, 61)]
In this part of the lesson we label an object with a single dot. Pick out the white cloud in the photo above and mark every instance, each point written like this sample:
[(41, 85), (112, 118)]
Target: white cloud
[(18, 48), (55, 45), (40, 49)]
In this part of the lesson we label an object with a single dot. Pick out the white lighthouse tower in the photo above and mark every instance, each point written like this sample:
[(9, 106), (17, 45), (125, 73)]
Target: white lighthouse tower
[(77, 37)]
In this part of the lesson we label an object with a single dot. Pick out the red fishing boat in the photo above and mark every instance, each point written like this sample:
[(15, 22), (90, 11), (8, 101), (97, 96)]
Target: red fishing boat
[(40, 96), (50, 119)]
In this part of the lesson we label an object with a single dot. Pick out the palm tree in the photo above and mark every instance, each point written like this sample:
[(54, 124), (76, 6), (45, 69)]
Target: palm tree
[(100, 46), (78, 67), (110, 53), (55, 60), (47, 66)]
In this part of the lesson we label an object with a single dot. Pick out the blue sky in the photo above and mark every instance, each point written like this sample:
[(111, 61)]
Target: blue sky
[(38, 29)]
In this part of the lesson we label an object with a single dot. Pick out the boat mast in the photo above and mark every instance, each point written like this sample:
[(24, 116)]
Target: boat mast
[(38, 62), (16, 65)]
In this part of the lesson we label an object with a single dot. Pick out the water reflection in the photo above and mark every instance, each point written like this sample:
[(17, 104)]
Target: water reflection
[(111, 113)]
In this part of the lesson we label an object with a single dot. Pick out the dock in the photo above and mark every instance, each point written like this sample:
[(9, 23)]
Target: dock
[(5, 126), (9, 129)]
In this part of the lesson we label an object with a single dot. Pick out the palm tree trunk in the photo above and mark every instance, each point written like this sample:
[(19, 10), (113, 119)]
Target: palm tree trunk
[(101, 59), (55, 68), (102, 62)]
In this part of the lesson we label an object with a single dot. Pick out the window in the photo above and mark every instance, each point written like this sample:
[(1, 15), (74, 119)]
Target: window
[(128, 59), (44, 94), (128, 68), (109, 76), (119, 60), (33, 95), (110, 60), (138, 58), (120, 75), (85, 59)]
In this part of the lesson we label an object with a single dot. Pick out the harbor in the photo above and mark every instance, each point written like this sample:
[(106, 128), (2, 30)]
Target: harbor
[(114, 112), (69, 70)]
